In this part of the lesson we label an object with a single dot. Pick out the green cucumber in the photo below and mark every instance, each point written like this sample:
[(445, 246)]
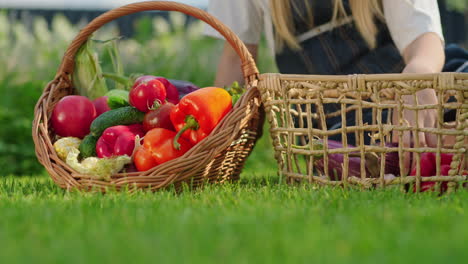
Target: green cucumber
[(121, 116), (88, 146)]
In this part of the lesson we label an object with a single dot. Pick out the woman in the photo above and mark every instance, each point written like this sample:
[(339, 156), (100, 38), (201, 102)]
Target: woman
[(340, 37)]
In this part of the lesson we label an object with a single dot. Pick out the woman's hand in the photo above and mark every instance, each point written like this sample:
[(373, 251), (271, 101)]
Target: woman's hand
[(426, 118), (424, 55)]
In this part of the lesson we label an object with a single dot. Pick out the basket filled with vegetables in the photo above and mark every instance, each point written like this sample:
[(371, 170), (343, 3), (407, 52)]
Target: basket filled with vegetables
[(149, 132), (351, 131)]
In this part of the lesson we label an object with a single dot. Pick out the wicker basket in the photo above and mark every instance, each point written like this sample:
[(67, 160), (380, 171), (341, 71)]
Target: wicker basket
[(218, 158), (295, 105)]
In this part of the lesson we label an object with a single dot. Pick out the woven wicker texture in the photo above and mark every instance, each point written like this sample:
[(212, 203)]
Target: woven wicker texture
[(218, 158), (295, 104)]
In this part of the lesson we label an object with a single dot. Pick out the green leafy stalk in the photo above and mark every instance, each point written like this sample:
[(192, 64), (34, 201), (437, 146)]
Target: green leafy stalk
[(120, 80)]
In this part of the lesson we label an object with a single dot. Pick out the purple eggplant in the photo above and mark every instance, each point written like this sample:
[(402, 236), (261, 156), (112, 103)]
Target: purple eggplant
[(372, 163), (184, 87)]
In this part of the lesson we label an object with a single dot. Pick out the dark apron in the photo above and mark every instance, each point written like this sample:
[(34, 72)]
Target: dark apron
[(339, 51), (342, 51)]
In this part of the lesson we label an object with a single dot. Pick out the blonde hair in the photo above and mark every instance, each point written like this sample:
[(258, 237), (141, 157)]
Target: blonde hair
[(364, 13)]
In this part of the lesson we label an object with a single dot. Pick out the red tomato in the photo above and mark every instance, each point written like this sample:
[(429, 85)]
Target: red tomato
[(101, 105), (143, 79), (172, 93), (171, 90), (72, 116), (146, 93), (159, 118)]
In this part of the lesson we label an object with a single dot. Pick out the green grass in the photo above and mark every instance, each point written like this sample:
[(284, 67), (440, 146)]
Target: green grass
[(254, 221), (257, 220)]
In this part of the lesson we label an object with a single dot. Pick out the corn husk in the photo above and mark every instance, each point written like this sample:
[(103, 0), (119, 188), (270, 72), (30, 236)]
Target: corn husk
[(117, 64), (87, 77)]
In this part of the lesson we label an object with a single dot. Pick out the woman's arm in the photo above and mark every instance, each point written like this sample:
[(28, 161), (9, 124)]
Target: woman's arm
[(416, 30), (424, 55), (229, 68)]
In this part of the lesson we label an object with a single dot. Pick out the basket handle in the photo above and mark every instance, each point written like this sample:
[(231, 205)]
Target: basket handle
[(249, 68)]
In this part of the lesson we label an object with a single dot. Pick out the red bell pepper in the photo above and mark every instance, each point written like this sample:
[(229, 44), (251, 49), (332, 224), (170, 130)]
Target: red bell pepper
[(143, 159), (198, 113), (158, 147), (118, 140)]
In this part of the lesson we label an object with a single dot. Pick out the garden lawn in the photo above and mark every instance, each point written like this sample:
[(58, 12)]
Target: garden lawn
[(254, 221)]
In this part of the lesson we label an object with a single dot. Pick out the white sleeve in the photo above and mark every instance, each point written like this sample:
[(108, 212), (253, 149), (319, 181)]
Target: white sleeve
[(244, 17), (409, 19)]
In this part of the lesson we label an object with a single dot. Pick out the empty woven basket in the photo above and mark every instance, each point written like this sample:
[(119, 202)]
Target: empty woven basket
[(296, 108)]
